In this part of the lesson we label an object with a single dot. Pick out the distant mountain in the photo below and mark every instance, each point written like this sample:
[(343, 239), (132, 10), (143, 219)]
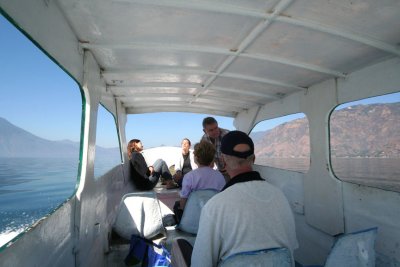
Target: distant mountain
[(358, 131), (16, 142)]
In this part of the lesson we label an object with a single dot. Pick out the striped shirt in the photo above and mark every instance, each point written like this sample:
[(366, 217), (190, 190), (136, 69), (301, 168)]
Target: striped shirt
[(217, 157)]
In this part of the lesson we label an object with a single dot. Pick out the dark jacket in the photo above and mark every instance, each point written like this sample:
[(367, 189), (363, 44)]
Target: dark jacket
[(140, 172)]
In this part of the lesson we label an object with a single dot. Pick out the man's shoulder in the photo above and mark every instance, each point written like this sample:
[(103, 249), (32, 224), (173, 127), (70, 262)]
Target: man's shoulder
[(220, 200), (204, 137), (223, 131)]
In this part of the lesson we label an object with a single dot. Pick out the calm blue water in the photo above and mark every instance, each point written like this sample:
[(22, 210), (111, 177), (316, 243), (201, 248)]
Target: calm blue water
[(31, 188)]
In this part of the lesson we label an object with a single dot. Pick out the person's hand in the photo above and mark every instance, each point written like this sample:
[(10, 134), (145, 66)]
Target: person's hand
[(151, 169), (177, 176), (223, 171)]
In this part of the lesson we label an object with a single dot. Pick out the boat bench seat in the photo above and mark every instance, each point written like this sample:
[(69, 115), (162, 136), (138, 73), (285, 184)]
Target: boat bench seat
[(141, 214), (146, 214), (352, 249), (189, 224)]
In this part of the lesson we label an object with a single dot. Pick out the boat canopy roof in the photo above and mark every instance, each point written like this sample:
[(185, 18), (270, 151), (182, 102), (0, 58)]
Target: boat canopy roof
[(213, 57)]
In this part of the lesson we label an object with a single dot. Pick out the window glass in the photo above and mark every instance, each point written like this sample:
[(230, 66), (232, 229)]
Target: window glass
[(107, 148), (40, 122), (283, 143), (365, 142)]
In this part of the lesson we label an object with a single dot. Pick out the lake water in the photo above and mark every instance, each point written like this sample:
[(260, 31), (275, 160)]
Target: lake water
[(31, 188)]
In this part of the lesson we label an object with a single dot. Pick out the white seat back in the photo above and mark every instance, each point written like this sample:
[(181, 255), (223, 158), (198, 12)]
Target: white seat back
[(139, 214), (191, 214), (354, 249)]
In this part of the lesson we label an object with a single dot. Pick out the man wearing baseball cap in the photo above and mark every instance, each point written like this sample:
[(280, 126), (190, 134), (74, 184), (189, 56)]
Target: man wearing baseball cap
[(248, 214)]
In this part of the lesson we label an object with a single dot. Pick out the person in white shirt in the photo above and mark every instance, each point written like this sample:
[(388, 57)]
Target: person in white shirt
[(185, 162), (230, 222)]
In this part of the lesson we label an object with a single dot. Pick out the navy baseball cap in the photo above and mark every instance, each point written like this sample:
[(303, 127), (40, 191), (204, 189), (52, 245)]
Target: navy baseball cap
[(234, 138)]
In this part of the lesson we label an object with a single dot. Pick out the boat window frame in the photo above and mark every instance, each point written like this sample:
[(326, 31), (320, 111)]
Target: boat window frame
[(304, 116), (107, 112), (81, 135), (331, 164)]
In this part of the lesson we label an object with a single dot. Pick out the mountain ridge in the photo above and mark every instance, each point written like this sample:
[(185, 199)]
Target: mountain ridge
[(376, 126), (358, 131), (17, 142)]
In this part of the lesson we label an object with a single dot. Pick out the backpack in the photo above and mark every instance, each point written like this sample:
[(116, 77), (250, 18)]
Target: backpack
[(145, 253)]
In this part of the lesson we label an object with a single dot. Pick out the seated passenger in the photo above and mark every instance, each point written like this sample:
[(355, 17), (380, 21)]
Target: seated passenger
[(248, 214), (204, 177), (185, 162), (146, 177)]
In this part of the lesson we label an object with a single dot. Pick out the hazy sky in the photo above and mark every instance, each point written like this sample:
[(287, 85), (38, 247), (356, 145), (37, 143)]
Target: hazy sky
[(39, 97)]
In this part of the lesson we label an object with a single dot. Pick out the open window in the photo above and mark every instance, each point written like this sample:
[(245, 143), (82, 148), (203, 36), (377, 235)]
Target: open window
[(40, 129), (283, 143), (365, 142), (107, 143)]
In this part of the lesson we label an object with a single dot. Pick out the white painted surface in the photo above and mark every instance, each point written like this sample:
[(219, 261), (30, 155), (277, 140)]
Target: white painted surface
[(251, 60)]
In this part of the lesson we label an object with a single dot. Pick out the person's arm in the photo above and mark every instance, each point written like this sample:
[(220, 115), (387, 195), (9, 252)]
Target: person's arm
[(179, 163), (182, 203), (186, 190), (140, 165), (151, 170)]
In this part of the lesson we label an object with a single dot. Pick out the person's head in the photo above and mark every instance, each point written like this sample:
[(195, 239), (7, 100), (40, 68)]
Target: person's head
[(134, 145), (204, 153), (238, 152), (185, 145), (210, 127)]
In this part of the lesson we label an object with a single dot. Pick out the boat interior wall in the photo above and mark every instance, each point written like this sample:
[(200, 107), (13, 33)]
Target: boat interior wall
[(378, 79), (121, 124), (322, 192), (291, 184), (46, 26), (245, 120), (322, 99), (367, 207), (96, 211), (44, 237), (314, 244)]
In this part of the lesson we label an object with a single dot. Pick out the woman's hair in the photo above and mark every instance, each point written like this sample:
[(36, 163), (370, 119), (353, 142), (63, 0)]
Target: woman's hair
[(131, 146), (187, 139), (204, 152)]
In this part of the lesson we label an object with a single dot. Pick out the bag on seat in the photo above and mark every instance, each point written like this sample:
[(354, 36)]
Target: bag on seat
[(147, 253)]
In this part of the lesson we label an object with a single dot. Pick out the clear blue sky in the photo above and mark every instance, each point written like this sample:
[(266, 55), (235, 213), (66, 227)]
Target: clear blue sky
[(39, 97)]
